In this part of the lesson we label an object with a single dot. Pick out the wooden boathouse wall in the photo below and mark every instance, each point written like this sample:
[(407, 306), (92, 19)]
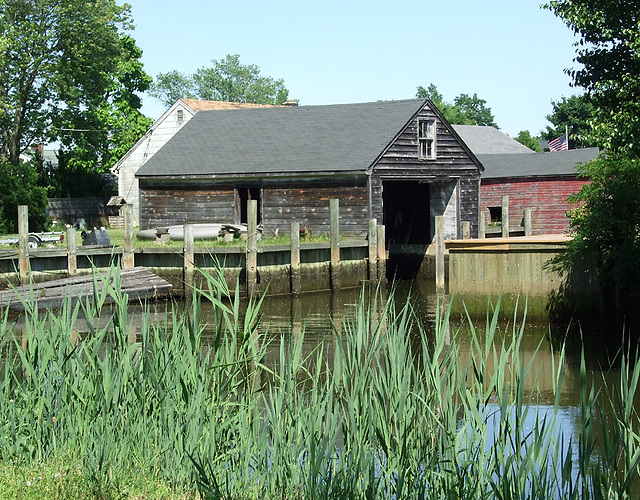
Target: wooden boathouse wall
[(453, 164)]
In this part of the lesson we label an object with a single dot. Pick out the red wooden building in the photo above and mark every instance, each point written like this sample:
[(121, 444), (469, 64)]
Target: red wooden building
[(540, 181)]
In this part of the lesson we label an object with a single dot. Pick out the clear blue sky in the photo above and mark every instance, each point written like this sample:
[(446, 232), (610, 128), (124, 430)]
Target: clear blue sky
[(511, 53)]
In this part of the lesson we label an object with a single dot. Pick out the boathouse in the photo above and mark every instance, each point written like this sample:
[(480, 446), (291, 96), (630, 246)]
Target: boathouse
[(399, 162)]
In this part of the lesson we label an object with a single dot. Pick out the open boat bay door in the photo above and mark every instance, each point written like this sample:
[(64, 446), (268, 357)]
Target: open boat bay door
[(409, 211)]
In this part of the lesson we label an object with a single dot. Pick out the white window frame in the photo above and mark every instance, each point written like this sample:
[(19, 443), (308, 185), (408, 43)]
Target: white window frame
[(427, 138)]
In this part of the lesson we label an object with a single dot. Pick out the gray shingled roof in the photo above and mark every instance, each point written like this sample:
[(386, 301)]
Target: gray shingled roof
[(484, 139), (498, 166), (298, 139)]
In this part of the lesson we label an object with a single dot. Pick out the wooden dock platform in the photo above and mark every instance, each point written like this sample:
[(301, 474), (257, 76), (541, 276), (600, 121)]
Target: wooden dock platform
[(137, 282)]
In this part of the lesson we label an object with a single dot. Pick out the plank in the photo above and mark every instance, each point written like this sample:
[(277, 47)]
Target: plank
[(136, 282)]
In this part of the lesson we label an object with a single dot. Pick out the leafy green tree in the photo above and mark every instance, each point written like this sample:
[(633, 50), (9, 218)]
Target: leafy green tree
[(606, 225), (58, 58), (19, 186), (533, 143), (226, 80), (464, 110), (609, 56), (575, 114)]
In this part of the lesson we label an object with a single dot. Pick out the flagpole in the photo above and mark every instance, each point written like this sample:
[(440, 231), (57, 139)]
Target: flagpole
[(566, 133)]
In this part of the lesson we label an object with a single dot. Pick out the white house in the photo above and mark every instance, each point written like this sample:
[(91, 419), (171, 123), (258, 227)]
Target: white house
[(163, 129)]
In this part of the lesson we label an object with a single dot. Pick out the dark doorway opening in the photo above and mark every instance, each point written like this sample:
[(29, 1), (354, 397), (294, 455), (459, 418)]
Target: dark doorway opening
[(407, 220), (244, 195)]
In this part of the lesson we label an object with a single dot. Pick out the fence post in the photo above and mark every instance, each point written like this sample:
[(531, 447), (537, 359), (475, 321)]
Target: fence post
[(482, 225), (527, 221), (382, 254), (505, 216), (295, 258), (252, 247), (466, 230), (189, 258), (23, 243), (334, 214), (373, 250), (72, 259), (440, 254), (128, 257)]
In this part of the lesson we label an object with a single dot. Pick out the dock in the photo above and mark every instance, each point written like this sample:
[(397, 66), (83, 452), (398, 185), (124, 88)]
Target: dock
[(136, 283)]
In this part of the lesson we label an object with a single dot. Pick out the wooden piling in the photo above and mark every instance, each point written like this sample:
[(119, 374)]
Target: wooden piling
[(295, 258), (373, 250), (382, 254), (128, 256), (505, 216), (334, 214), (72, 259), (527, 221), (466, 230), (440, 254), (252, 247), (482, 225), (23, 243), (189, 259)]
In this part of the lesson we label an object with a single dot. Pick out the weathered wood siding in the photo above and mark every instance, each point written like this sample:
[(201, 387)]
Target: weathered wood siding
[(547, 198), (174, 206), (310, 205), (452, 165)]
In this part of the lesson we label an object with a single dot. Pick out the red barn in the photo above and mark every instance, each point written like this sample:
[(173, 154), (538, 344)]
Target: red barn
[(540, 181)]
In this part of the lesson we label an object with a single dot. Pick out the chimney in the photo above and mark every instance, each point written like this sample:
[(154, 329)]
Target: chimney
[(291, 102)]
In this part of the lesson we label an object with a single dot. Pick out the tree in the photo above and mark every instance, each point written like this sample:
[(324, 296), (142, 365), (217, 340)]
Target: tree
[(533, 143), (226, 80), (575, 114), (19, 186), (606, 225), (465, 109), (609, 54), (69, 73)]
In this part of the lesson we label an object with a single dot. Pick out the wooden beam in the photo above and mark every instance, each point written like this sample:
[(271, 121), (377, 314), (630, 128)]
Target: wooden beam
[(252, 247), (505, 216), (128, 256), (440, 254), (373, 250), (295, 258), (23, 243), (72, 259), (334, 214)]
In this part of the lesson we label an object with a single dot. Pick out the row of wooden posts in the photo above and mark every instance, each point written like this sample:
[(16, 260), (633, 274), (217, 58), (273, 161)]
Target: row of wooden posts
[(376, 249)]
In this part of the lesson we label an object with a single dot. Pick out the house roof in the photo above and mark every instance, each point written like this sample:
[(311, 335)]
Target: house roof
[(535, 164), (200, 105), (484, 139), (339, 138)]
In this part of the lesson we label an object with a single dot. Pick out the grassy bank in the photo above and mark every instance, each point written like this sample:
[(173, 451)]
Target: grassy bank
[(377, 415)]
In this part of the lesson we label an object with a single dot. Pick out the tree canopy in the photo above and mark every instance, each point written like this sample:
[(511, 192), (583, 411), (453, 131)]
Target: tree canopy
[(608, 53), (524, 137), (226, 80), (464, 110), (70, 73), (575, 114)]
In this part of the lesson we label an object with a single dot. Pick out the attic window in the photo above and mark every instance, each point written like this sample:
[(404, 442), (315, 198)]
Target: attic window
[(180, 116), (427, 139)]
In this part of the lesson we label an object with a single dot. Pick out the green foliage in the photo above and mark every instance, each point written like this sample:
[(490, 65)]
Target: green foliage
[(607, 220), (465, 109), (227, 80), (609, 55), (533, 143), (575, 114), (19, 186), (70, 74)]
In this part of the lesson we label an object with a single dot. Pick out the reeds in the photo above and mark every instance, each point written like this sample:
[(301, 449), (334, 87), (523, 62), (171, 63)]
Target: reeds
[(376, 414)]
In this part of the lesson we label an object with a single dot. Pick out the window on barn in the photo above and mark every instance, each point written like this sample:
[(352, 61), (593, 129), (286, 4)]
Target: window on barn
[(495, 216), (427, 139), (243, 195), (180, 116)]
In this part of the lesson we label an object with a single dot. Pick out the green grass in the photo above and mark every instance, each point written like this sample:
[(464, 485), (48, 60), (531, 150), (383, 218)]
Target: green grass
[(385, 411)]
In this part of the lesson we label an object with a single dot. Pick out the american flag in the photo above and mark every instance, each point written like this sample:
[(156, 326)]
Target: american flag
[(559, 144)]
